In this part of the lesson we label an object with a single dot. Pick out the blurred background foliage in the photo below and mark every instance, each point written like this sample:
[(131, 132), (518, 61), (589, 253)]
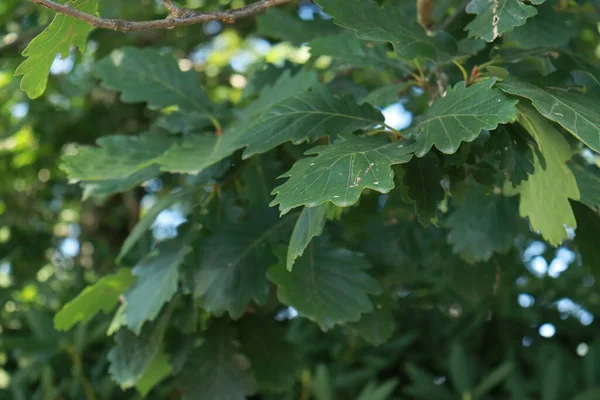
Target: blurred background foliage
[(460, 328)]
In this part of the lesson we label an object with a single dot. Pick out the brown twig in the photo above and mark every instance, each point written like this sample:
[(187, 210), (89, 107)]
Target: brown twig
[(181, 17), (174, 9)]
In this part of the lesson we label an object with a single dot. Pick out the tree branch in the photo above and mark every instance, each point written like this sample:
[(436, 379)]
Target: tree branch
[(177, 17), (173, 8)]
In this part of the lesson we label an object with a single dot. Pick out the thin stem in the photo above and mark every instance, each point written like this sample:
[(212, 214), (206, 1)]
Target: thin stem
[(187, 17), (376, 131), (462, 70)]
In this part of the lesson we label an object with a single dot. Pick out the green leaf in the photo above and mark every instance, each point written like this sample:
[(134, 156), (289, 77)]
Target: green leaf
[(549, 28), (148, 219), (285, 86), (482, 225), (588, 181), (275, 362), (327, 285), (322, 387), (495, 17), (259, 179), (216, 370), (376, 327), (101, 296), (285, 26), (341, 171), (115, 157), (147, 76), (493, 379), (423, 181), (371, 21), (306, 117), (576, 112), (461, 115), (58, 38), (157, 370), (460, 369), (590, 394), (586, 237), (108, 187), (231, 267), (157, 278), (348, 50), (133, 354), (197, 152), (545, 195), (309, 225), (385, 95), (378, 392), (514, 153)]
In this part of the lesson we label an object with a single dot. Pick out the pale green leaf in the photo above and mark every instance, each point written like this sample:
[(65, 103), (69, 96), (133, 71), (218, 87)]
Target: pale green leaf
[(341, 171), (58, 38), (157, 370), (496, 17), (461, 115), (545, 195), (157, 279), (576, 112), (327, 285), (309, 225), (388, 23), (101, 296)]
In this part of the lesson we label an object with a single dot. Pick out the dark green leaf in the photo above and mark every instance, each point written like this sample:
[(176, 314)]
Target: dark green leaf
[(370, 21), (340, 172), (461, 115), (483, 225), (216, 370), (157, 279), (327, 286), (423, 181), (495, 17), (231, 267), (309, 225), (576, 112), (275, 362)]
